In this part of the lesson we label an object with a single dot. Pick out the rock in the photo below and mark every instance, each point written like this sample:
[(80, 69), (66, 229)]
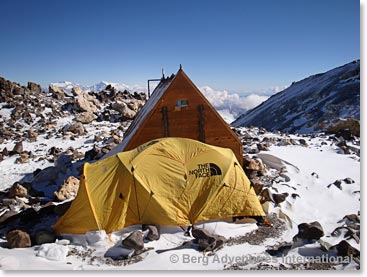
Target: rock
[(17, 190), (63, 162), (134, 241), (266, 196), (76, 91), (85, 117), (257, 187), (295, 195), (348, 181), (207, 241), (345, 134), (324, 245), (257, 165), (314, 174), (49, 175), (18, 239), (23, 158), (5, 216), (286, 177), (44, 236), (92, 154), (280, 250), (337, 183), (8, 202), (34, 87), (153, 233), (18, 148), (119, 253), (32, 135), (279, 198), (351, 218), (68, 189), (262, 147), (344, 249), (310, 231), (86, 102), (303, 142), (56, 92), (5, 152), (124, 110), (76, 128)]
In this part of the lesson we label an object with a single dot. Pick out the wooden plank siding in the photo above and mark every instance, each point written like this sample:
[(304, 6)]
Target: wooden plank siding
[(185, 121)]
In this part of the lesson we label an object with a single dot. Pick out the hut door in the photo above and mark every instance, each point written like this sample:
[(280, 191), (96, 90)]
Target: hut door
[(201, 123), (165, 122)]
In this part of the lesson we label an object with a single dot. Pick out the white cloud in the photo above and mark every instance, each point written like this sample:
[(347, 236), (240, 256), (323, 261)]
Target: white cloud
[(231, 105)]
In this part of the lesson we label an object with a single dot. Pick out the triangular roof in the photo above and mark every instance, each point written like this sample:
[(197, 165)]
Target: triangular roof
[(143, 114), (152, 102)]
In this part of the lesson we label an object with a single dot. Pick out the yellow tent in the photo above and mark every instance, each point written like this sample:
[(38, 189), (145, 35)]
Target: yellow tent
[(169, 181)]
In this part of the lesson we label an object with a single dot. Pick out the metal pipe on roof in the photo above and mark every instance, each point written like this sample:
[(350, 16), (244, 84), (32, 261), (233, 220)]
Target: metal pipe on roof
[(151, 80)]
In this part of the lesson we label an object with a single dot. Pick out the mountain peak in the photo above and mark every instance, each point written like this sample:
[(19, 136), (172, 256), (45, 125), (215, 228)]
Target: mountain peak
[(307, 104)]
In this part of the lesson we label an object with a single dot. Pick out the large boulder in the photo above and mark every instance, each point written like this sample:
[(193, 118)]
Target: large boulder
[(153, 232), (134, 241), (76, 128), (34, 87), (17, 190), (18, 239), (47, 175), (310, 231), (135, 105), (279, 197), (124, 110), (85, 117), (68, 189), (344, 249), (207, 241), (84, 101), (18, 148), (56, 92), (76, 91)]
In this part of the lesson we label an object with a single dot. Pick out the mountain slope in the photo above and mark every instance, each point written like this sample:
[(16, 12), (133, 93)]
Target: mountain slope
[(303, 106)]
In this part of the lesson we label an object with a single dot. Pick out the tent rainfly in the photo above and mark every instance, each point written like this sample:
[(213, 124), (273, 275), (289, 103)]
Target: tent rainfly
[(177, 108), (169, 181)]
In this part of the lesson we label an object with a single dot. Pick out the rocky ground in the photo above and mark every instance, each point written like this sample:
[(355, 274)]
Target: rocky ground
[(46, 137)]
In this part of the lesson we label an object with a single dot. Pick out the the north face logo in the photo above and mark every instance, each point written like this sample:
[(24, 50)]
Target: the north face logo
[(206, 170)]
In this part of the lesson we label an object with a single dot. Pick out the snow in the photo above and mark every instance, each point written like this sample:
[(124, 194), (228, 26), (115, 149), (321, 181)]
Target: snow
[(53, 252), (330, 167), (317, 202), (5, 113)]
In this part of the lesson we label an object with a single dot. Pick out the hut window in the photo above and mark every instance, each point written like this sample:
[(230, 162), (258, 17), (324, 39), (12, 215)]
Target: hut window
[(182, 103)]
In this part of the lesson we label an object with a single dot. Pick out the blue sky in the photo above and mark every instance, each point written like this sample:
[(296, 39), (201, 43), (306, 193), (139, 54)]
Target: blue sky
[(237, 45)]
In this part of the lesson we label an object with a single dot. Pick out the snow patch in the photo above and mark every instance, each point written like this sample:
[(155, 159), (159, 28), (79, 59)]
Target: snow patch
[(53, 251)]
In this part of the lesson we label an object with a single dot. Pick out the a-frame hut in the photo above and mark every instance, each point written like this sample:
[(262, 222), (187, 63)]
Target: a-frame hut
[(177, 108)]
